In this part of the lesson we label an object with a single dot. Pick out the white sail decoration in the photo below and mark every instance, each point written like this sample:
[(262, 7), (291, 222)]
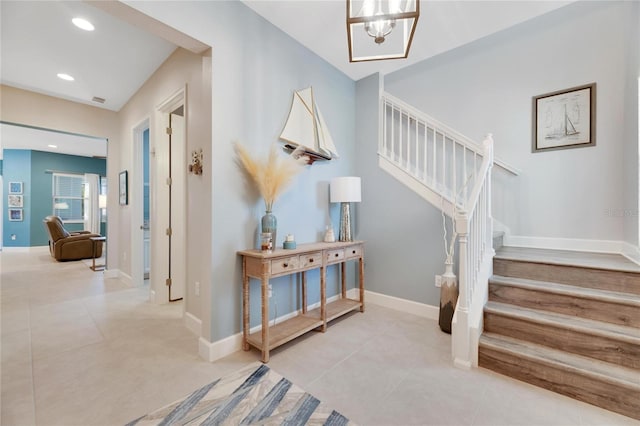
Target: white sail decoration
[(305, 131)]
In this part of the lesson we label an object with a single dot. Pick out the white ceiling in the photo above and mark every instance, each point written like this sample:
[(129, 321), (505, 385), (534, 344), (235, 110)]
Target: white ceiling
[(38, 40), (20, 137), (320, 25)]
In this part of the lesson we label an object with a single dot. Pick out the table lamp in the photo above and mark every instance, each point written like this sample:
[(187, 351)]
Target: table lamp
[(345, 190)]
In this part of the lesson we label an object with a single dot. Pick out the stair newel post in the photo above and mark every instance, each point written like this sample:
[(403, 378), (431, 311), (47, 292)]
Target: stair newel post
[(460, 327)]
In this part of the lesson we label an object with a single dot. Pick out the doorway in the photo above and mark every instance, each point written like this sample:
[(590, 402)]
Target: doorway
[(167, 211)]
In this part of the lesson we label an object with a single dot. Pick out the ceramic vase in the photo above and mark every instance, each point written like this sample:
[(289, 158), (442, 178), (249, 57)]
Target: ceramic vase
[(270, 224), (448, 298)]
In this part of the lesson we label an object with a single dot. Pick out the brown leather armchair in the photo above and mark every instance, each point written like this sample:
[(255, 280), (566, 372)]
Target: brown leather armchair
[(65, 245)]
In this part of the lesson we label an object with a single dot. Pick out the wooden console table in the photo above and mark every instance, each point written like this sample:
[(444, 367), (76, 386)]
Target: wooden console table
[(280, 262)]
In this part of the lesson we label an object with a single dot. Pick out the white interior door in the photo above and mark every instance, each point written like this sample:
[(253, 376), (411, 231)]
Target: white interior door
[(177, 256)]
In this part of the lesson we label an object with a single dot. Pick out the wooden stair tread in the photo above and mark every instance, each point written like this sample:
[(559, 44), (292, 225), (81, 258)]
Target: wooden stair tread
[(583, 292), (607, 372), (583, 325), (602, 261)]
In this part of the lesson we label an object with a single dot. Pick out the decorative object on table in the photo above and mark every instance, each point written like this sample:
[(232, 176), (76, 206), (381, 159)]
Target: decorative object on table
[(271, 178), (266, 242), (381, 29), (305, 132), (196, 162), (329, 236), (289, 242), (15, 187), (255, 394), (345, 190), (15, 215), (565, 119), (15, 201), (123, 188)]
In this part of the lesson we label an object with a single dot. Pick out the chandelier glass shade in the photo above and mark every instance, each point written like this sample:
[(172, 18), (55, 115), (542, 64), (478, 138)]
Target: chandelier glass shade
[(390, 24)]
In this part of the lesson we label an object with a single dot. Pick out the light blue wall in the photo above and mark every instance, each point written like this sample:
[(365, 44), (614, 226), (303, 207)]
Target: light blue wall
[(38, 190), (405, 248), (256, 68), (487, 86), (17, 168)]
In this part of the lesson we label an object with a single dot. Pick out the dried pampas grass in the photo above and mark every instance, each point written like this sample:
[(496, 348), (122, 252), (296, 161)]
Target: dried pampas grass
[(271, 177)]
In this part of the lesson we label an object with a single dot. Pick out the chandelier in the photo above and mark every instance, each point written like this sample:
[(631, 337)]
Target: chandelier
[(390, 23)]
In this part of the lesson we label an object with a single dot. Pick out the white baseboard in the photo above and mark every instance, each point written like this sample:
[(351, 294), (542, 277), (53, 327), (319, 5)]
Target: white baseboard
[(212, 351), (193, 323), (404, 305), (34, 249), (631, 252), (574, 244), (125, 278), (111, 273)]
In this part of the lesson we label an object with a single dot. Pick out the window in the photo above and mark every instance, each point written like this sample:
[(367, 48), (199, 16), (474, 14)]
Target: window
[(68, 197)]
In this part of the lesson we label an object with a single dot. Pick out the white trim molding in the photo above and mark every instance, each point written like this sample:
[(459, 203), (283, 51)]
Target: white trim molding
[(111, 273), (193, 323), (404, 305), (575, 244), (631, 252), (213, 351)]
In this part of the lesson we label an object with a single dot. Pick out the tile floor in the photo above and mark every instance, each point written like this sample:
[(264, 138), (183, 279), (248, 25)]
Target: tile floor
[(78, 349)]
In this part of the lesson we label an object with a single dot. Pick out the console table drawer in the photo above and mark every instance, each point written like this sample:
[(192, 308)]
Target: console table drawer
[(334, 256), (284, 265), (351, 252), (311, 260)]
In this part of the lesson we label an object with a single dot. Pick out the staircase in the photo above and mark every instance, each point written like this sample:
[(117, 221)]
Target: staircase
[(565, 321), (568, 322)]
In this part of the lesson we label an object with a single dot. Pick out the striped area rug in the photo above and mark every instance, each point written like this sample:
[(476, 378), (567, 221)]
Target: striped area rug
[(255, 395)]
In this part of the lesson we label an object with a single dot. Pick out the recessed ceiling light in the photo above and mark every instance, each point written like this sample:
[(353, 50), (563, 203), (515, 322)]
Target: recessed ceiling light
[(52, 146), (83, 24), (65, 76)]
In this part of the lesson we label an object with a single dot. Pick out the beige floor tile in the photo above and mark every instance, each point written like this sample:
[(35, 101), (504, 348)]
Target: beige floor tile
[(16, 400), (78, 349)]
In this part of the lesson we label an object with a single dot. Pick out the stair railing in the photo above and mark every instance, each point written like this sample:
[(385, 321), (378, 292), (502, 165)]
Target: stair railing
[(474, 226), (453, 173), (435, 155)]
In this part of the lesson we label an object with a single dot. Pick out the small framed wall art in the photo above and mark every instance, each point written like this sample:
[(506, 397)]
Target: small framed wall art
[(15, 201), (564, 119), (15, 188), (123, 188), (15, 215)]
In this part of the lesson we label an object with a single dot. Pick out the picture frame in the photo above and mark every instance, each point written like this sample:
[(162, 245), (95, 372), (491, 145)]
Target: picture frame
[(564, 119), (123, 188), (15, 215), (15, 200), (15, 187)]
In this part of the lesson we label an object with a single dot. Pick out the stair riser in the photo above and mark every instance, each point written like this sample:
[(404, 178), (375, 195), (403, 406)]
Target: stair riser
[(587, 344), (582, 277), (600, 310), (582, 387)]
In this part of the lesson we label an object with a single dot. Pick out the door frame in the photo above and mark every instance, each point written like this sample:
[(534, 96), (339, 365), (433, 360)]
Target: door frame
[(159, 291), (137, 202)]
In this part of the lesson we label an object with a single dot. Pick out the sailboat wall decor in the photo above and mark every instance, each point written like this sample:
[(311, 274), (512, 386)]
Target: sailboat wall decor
[(305, 133)]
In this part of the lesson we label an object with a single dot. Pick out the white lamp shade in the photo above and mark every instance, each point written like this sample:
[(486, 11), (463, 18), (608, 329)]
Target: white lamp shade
[(345, 190)]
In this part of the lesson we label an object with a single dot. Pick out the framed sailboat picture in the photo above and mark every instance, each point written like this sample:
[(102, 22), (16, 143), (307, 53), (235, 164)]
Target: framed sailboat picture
[(565, 119)]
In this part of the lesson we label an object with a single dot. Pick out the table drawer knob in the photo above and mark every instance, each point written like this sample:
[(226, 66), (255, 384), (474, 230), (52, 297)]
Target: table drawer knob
[(336, 255), (354, 252), (285, 265), (311, 260)]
